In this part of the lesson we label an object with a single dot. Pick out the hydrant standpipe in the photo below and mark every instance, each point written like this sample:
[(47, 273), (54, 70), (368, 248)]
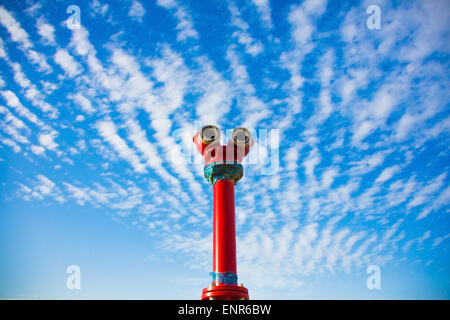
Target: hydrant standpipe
[(223, 170)]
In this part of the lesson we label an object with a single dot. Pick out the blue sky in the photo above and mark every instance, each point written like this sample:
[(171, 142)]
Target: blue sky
[(350, 167)]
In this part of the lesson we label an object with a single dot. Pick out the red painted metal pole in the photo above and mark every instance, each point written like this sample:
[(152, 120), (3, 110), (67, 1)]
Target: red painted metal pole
[(222, 170), (224, 230)]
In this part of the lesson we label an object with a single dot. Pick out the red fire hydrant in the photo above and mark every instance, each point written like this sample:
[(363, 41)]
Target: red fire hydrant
[(223, 169)]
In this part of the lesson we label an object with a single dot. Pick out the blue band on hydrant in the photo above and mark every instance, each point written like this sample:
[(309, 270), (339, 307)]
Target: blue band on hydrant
[(218, 171), (224, 277)]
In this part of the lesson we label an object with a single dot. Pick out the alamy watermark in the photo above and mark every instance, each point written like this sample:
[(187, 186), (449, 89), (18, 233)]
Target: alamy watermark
[(264, 154), (374, 20), (73, 281), (374, 280), (74, 21)]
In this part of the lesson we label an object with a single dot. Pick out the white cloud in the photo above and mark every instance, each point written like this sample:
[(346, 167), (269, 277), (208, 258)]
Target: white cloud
[(301, 25), (363, 130), (382, 104), (80, 118), (33, 9), (12, 130), (47, 140), (367, 164), (83, 102), (171, 71), (404, 126), (424, 193), (46, 31), (328, 177), (18, 34), (185, 26), (41, 188), (387, 173), (302, 20), (310, 163), (168, 4), (14, 122), (137, 11), (216, 99), (154, 101), (32, 93), (291, 158), (67, 63), (80, 42), (252, 108), (13, 101), (442, 200), (11, 143), (325, 107), (252, 46), (265, 12), (37, 150), (48, 87), (108, 131), (19, 76), (439, 240), (3, 53), (80, 194), (98, 8), (46, 186), (149, 151)]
